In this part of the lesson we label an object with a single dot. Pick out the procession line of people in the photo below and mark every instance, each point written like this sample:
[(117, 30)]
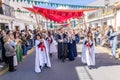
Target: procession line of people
[(66, 48), (45, 46)]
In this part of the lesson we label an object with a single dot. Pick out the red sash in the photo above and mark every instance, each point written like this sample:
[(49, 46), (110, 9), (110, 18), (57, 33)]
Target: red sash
[(42, 46), (88, 45)]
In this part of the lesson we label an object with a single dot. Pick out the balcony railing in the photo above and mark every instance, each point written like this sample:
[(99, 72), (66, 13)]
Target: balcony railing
[(8, 10), (101, 13), (94, 15)]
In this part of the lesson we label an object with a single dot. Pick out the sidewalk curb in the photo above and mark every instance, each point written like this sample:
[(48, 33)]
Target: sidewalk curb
[(5, 69)]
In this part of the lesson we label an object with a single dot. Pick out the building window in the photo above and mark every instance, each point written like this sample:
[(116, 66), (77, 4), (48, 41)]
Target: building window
[(8, 10)]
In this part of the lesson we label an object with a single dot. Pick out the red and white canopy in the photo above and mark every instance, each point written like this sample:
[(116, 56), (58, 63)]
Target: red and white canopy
[(58, 15)]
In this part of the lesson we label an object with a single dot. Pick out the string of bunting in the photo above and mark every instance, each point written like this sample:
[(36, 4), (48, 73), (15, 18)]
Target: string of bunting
[(21, 11), (56, 4)]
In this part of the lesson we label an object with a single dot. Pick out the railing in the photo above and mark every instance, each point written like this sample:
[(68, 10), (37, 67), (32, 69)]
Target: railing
[(101, 13), (94, 15), (8, 10)]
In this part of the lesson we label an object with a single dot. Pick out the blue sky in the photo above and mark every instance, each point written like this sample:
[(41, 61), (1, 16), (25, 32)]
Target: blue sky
[(72, 2), (75, 2)]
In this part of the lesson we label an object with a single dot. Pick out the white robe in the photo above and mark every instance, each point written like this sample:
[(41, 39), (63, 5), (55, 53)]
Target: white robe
[(83, 56), (41, 57), (52, 47), (87, 57)]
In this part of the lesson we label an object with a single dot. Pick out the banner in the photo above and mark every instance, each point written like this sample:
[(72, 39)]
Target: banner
[(57, 15), (56, 4)]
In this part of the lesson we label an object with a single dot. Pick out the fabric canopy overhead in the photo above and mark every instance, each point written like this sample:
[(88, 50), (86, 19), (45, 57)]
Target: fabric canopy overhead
[(57, 15)]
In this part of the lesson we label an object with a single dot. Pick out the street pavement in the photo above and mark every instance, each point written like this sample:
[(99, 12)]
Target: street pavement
[(107, 68)]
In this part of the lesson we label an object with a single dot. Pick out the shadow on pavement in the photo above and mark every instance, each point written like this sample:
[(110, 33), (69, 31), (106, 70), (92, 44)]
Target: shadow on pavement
[(103, 59)]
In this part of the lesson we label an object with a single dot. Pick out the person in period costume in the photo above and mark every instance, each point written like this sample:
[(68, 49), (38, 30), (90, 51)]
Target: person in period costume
[(12, 43), (77, 38), (19, 51), (42, 57), (74, 44), (50, 42), (10, 53), (53, 47), (88, 54), (71, 53), (62, 46)]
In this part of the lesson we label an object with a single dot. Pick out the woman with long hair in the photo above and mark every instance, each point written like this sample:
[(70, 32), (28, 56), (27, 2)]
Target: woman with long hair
[(88, 54)]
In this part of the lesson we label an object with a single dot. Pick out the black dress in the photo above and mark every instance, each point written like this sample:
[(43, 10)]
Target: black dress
[(74, 48), (62, 47)]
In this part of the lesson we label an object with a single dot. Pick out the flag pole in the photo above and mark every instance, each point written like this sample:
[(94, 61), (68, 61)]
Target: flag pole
[(36, 19), (84, 21)]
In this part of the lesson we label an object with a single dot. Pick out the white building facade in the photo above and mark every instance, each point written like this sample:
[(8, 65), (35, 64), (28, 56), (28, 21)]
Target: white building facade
[(106, 16), (14, 16)]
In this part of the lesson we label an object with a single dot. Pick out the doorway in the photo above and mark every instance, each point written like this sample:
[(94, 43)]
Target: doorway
[(17, 28)]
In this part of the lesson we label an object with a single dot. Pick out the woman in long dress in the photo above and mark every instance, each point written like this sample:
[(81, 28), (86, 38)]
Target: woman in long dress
[(74, 43), (42, 57), (71, 53), (88, 54), (18, 48)]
